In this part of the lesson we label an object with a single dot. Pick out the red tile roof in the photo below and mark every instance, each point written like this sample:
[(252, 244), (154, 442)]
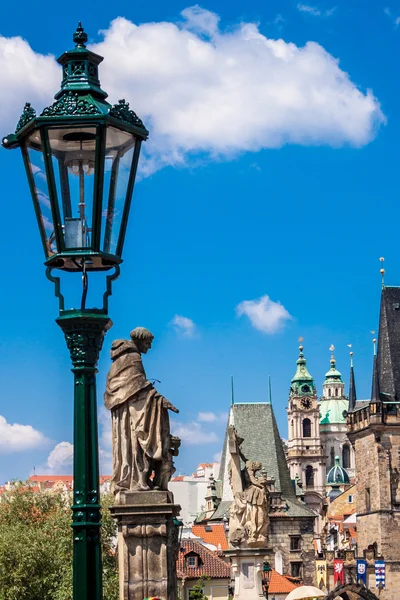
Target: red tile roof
[(211, 564), (279, 584), (216, 536)]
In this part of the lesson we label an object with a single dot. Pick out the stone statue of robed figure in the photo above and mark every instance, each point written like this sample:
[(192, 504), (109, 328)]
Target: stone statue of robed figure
[(142, 445)]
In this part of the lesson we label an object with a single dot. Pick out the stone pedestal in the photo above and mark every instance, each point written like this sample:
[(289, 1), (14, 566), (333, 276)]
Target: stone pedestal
[(247, 566), (147, 544)]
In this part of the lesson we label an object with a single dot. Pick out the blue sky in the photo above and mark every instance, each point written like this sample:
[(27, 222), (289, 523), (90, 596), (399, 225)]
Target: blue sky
[(271, 170)]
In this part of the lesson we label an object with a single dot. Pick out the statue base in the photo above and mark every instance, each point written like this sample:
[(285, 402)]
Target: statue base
[(247, 571), (147, 544)]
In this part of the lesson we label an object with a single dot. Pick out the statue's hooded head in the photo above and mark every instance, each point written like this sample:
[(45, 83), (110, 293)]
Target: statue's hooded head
[(143, 339)]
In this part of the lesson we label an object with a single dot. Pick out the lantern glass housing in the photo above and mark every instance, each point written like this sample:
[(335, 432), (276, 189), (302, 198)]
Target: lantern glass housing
[(81, 156)]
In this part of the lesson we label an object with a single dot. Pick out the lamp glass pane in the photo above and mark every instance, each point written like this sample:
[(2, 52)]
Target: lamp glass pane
[(41, 195), (73, 152), (120, 146)]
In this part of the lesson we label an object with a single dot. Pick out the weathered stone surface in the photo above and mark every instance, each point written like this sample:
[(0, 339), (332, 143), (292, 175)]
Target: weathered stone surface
[(249, 521), (143, 447), (147, 545)]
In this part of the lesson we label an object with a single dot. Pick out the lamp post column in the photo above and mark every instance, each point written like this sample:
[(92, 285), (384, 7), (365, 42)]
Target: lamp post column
[(84, 332)]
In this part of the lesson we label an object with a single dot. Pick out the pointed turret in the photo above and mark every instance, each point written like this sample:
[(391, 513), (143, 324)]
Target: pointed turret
[(352, 388), (375, 395), (333, 375), (302, 382), (389, 344)]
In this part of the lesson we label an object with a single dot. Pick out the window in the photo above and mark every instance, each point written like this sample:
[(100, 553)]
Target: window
[(336, 391), (309, 476), (192, 561), (346, 456), (295, 569), (332, 457), (367, 499), (306, 428), (329, 392), (295, 543), (350, 499)]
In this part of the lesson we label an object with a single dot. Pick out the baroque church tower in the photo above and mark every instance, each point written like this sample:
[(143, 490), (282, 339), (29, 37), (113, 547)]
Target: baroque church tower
[(333, 412), (305, 455)]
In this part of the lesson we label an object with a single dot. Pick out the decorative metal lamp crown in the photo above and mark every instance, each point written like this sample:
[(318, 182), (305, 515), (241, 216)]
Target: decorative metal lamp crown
[(81, 156)]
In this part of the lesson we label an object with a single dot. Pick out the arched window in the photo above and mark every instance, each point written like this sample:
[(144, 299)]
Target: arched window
[(329, 392), (346, 456), (309, 476), (306, 428), (332, 457), (336, 391)]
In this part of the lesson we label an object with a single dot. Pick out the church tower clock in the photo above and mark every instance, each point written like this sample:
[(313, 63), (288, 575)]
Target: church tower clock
[(305, 457)]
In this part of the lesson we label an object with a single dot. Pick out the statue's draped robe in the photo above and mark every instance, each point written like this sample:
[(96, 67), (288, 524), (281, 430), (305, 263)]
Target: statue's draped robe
[(140, 424)]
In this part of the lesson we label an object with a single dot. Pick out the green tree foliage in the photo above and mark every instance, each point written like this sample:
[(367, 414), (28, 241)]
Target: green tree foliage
[(196, 593), (36, 546)]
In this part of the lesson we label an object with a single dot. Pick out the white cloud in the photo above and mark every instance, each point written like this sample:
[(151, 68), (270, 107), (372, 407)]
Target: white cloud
[(19, 438), (205, 91), (210, 417), (264, 314), (193, 434), (184, 326), (60, 459), (315, 11), (395, 20)]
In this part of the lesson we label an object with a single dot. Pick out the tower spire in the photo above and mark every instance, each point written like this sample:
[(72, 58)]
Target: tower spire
[(352, 387), (302, 382), (375, 396)]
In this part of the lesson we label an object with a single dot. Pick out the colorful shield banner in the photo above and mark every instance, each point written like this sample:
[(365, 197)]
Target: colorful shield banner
[(362, 570), (380, 573), (338, 570), (320, 567)]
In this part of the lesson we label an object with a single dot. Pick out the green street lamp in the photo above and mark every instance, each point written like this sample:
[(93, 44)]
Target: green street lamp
[(266, 578), (81, 156)]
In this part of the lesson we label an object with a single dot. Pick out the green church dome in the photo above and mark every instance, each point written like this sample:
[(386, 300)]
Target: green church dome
[(337, 475)]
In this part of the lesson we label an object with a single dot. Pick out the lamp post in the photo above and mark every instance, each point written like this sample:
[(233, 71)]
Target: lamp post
[(266, 578), (81, 156)]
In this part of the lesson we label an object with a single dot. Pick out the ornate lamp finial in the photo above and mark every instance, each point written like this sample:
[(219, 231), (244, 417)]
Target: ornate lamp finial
[(301, 340), (80, 36), (382, 271), (374, 342)]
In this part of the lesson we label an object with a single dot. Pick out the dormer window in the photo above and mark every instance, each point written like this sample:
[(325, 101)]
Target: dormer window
[(192, 560)]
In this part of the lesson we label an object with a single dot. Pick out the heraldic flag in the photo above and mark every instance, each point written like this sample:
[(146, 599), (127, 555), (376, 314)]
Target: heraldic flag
[(320, 566), (362, 570), (338, 570), (380, 573)]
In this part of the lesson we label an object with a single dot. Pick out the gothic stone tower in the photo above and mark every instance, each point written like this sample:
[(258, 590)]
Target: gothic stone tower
[(374, 431), (305, 457)]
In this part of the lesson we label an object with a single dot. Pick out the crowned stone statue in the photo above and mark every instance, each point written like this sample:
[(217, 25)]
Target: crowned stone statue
[(142, 444)]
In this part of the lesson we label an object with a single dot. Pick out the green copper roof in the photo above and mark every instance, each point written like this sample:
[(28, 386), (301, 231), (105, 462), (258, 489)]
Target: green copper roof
[(331, 410), (333, 375), (337, 475), (302, 382)]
